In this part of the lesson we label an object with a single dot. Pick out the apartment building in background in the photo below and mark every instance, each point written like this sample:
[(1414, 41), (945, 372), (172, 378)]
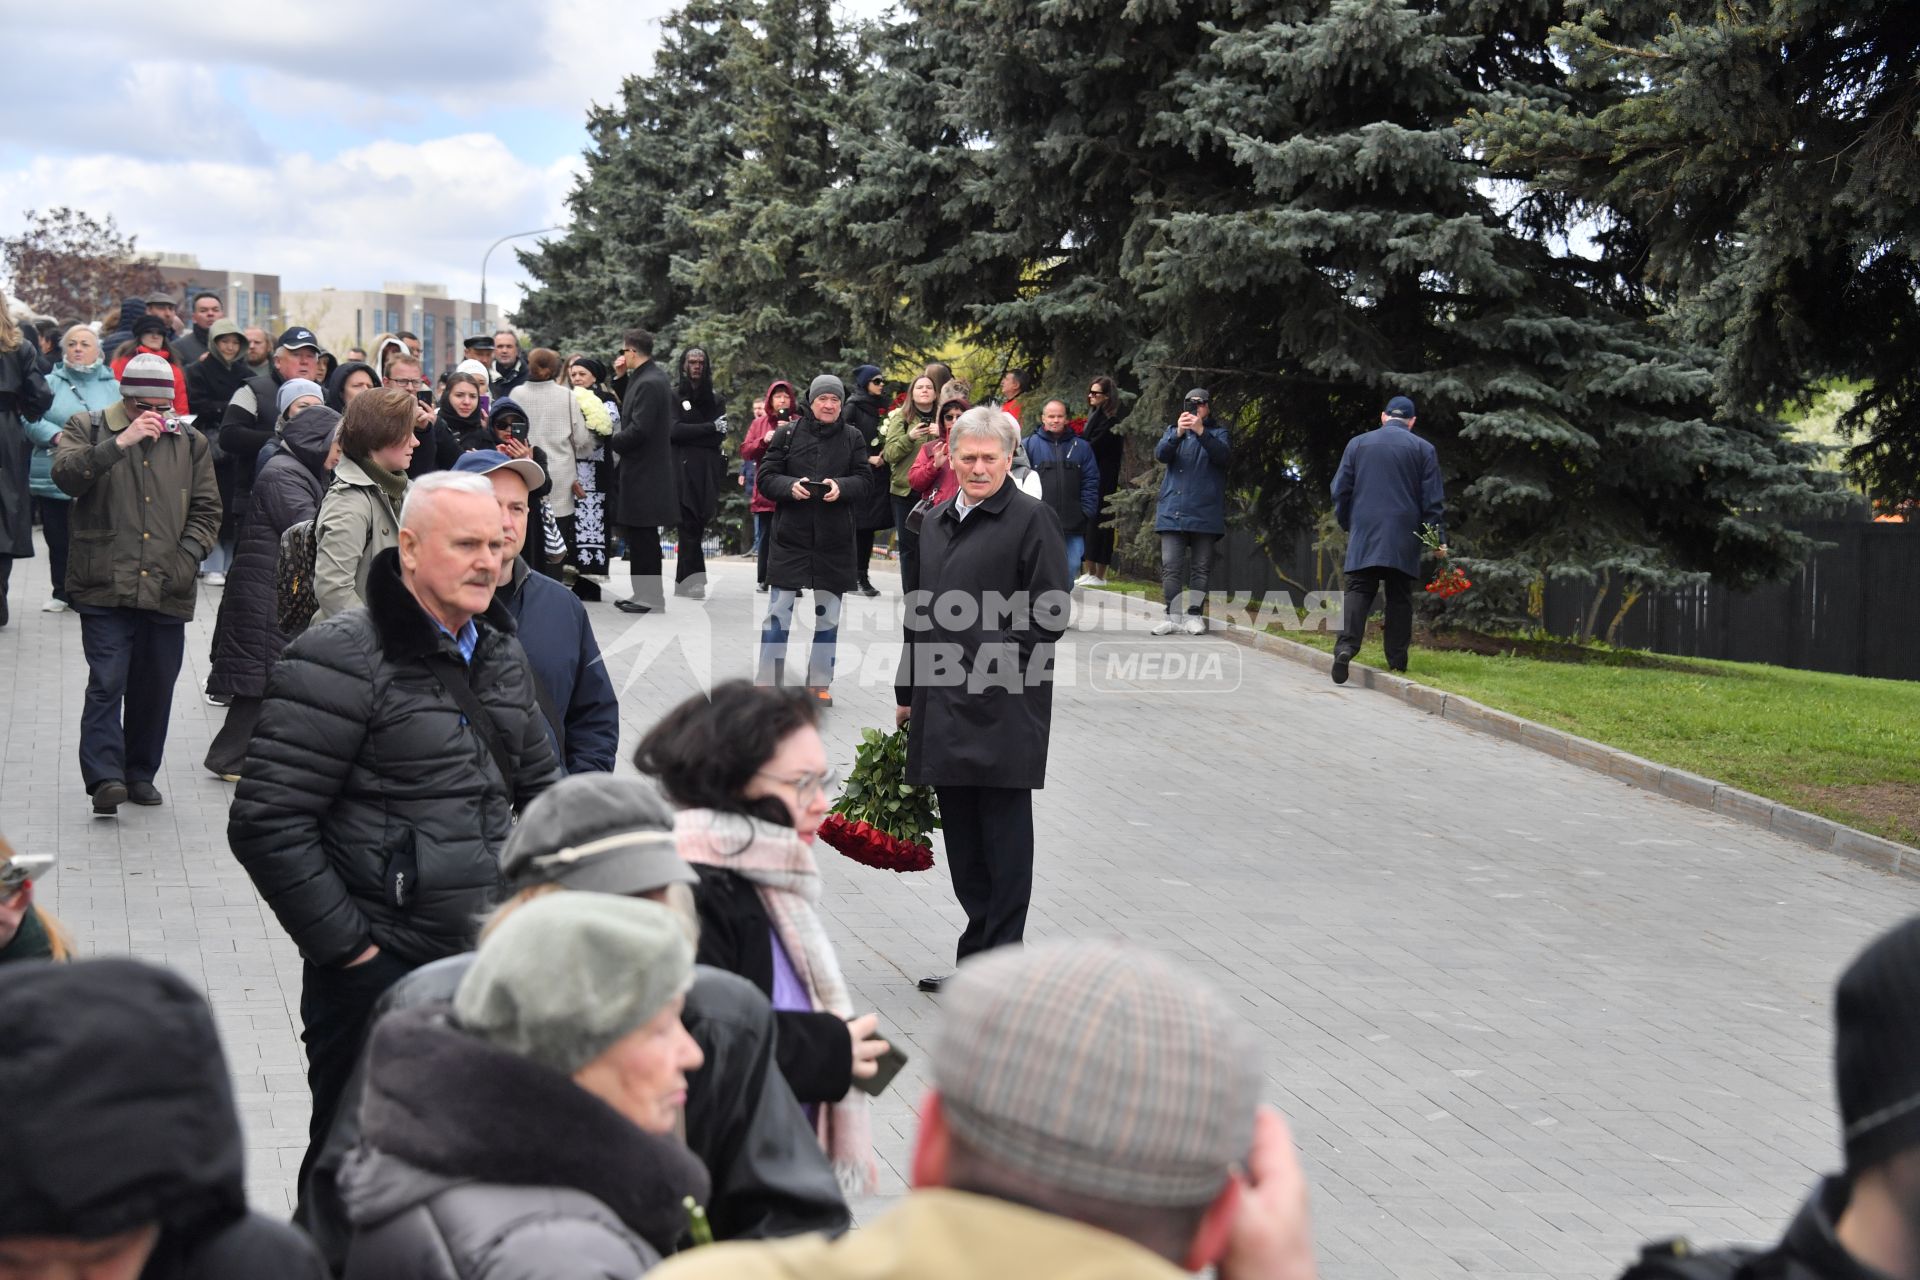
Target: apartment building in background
[(250, 297), (343, 318)]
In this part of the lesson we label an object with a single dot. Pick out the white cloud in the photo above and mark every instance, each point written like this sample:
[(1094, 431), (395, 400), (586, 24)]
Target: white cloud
[(385, 211)]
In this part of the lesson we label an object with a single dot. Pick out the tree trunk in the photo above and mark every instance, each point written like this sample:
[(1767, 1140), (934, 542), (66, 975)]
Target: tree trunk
[(1592, 618), (1628, 599)]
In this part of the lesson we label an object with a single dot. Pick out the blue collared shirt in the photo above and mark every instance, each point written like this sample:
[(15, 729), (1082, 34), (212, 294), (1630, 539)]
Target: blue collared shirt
[(466, 640)]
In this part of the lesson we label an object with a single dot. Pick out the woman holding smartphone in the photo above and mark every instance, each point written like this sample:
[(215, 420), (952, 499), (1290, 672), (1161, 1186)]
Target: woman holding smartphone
[(748, 773)]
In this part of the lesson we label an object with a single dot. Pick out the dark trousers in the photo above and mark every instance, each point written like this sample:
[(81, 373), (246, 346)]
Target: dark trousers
[(864, 546), (1362, 584), (53, 523), (909, 543), (762, 544), (1100, 543), (133, 658), (643, 564), (335, 1005), (228, 751), (1185, 561), (692, 560), (989, 837)]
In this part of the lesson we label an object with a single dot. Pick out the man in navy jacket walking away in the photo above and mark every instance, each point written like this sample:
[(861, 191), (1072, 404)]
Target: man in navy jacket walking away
[(1387, 490)]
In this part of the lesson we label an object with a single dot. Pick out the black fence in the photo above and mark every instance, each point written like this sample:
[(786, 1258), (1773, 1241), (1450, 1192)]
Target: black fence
[(1854, 608)]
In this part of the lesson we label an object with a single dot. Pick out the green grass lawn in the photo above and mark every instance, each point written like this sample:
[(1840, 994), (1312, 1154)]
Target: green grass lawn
[(1844, 747)]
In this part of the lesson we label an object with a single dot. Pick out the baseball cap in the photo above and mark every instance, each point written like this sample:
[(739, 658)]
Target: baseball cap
[(1201, 394), (1400, 407), (296, 338), (597, 832), (484, 462)]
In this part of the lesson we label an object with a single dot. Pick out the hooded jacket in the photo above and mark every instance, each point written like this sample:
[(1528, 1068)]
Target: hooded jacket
[(131, 1123), (813, 539), (770, 1177), (754, 447), (126, 549), (371, 809), (862, 413), (696, 434), (336, 384), (211, 382), (73, 392), (247, 639), (480, 1163)]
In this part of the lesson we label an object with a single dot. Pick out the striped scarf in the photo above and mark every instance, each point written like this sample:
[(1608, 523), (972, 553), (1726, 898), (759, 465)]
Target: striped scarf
[(782, 869)]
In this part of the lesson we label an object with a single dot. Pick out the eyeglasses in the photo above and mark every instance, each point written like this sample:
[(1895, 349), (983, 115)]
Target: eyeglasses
[(807, 785), (1096, 395), (410, 384)]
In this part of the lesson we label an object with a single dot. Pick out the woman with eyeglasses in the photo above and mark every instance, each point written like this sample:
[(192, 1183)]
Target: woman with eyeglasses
[(747, 771), (1104, 412)]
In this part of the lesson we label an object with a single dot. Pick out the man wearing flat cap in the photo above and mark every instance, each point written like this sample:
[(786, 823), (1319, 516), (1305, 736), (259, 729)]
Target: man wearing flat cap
[(1191, 516), (1095, 1111), (1387, 490)]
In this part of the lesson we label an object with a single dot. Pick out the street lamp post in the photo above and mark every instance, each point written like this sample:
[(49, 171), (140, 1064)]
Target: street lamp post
[(489, 253)]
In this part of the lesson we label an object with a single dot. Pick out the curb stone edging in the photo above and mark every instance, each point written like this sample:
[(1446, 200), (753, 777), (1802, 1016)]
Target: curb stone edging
[(1635, 771)]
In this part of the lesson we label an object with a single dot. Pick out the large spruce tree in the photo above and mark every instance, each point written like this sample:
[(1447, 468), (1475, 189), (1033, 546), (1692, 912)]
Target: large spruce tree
[(1275, 199), (1763, 156)]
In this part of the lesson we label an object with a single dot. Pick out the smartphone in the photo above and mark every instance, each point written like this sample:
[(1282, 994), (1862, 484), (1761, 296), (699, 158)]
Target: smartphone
[(890, 1063), (424, 397), (517, 428)]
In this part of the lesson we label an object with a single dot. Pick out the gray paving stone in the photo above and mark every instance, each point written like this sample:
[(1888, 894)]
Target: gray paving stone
[(1522, 1017)]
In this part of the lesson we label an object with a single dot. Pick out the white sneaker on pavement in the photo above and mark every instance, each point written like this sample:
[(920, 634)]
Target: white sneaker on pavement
[(1195, 625), (54, 606), (1164, 627), (216, 579)]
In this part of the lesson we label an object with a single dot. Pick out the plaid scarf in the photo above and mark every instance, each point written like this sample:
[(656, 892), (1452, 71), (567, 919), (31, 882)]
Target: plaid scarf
[(782, 869)]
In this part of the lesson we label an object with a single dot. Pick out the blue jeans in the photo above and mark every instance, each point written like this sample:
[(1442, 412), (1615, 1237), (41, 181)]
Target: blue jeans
[(1076, 552), (826, 634), (133, 659)]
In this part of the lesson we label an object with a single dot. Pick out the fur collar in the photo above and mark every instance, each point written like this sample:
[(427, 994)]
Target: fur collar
[(403, 627), (451, 1104)]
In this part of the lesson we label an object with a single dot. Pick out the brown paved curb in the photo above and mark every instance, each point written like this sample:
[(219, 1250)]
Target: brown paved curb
[(1676, 784)]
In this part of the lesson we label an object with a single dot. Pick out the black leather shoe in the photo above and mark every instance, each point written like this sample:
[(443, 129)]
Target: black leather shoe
[(1340, 660), (632, 606), (934, 983), (868, 589), (143, 793), (108, 796)]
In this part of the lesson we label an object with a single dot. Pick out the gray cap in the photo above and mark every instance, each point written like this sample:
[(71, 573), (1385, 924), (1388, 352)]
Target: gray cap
[(1098, 1068), (825, 385), (597, 832), (565, 976)]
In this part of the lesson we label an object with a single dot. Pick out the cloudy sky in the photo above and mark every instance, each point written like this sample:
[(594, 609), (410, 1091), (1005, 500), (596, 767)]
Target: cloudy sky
[(342, 144)]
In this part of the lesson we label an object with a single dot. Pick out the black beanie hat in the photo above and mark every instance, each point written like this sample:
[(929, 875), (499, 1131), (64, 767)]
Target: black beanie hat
[(1876, 1054)]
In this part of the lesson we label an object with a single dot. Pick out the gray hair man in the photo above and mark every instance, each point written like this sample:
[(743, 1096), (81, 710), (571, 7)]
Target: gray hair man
[(976, 674), (395, 744), (1095, 1111)]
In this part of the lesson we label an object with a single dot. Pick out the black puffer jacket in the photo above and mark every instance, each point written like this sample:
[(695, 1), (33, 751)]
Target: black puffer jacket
[(370, 810), (770, 1177), (813, 538), (482, 1163), (247, 639), (131, 1121)]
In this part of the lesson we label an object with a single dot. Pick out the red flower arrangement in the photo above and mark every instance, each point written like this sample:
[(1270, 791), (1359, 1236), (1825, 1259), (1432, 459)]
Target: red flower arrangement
[(1450, 583), (881, 820), (1079, 425)]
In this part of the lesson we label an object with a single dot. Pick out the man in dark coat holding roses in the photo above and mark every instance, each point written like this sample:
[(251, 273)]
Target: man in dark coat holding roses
[(815, 470), (976, 674)]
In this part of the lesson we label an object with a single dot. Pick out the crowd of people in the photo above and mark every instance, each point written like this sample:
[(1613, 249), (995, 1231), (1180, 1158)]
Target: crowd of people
[(421, 736)]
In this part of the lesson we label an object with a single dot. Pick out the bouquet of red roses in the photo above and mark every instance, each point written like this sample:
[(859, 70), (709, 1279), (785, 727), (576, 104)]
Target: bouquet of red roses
[(1449, 582), (882, 820)]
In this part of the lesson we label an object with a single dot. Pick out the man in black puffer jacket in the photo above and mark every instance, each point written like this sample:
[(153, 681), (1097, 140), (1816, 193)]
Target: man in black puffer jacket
[(816, 469), (394, 745), (120, 1144)]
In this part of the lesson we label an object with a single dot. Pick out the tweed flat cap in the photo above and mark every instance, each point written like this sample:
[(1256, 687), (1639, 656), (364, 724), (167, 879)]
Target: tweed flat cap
[(1098, 1068)]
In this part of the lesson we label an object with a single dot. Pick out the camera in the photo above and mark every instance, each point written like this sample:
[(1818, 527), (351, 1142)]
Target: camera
[(172, 423)]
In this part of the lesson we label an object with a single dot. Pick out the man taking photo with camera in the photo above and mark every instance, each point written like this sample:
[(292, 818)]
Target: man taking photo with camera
[(1192, 515), (131, 573)]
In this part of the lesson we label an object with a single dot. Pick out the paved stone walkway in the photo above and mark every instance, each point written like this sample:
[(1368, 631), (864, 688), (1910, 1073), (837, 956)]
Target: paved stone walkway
[(1522, 1016)]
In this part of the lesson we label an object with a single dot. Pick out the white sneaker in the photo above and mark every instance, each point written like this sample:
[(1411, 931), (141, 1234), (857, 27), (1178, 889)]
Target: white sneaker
[(1089, 580), (1164, 627), (54, 606), (216, 579), (1195, 625)]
